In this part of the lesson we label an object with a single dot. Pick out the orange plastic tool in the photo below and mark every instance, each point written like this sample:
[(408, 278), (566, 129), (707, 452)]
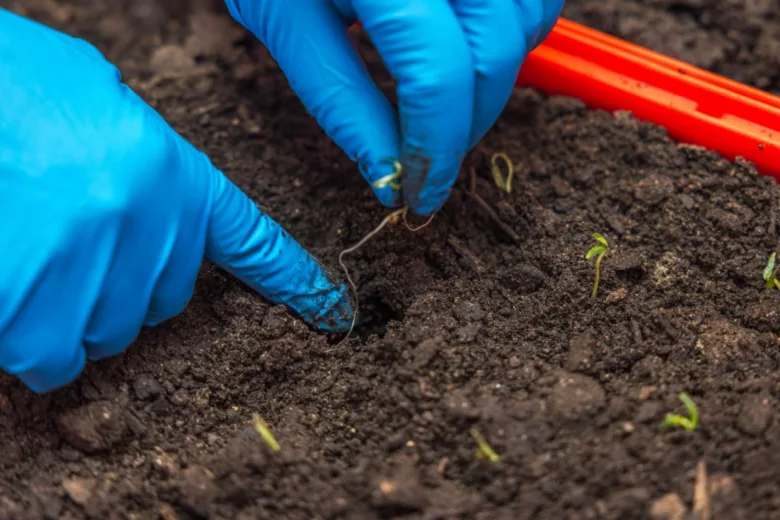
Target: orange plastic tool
[(693, 105)]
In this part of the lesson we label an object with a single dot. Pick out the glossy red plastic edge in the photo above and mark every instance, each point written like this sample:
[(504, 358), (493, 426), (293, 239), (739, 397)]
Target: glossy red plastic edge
[(694, 106)]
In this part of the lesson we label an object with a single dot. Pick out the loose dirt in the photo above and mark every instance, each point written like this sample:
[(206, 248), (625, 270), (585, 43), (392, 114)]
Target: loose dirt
[(463, 326)]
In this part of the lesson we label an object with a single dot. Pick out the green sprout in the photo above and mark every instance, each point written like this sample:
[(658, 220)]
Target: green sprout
[(770, 273), (599, 250), (262, 429), (484, 451), (690, 423), (391, 179), (503, 183)]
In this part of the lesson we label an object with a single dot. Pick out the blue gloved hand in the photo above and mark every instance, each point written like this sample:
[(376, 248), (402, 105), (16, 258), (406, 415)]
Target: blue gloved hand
[(455, 62), (107, 214)]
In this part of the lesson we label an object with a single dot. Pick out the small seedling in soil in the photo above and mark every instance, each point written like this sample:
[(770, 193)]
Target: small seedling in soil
[(690, 423), (599, 250), (262, 429), (770, 273), (503, 183), (392, 180), (484, 451)]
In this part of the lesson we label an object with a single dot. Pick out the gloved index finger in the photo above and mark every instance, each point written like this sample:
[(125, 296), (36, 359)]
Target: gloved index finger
[(424, 48), (252, 246)]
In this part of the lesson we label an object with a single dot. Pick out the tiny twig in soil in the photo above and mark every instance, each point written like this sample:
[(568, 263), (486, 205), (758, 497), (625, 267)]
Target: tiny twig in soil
[(702, 508), (262, 429), (472, 192), (466, 253)]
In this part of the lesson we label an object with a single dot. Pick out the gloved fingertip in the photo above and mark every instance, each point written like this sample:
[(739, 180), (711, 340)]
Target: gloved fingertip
[(429, 205), (152, 320), (428, 179), (55, 372), (328, 311)]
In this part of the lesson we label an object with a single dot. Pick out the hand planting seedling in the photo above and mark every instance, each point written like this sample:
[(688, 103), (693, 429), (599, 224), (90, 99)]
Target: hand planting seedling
[(503, 183), (484, 451), (262, 429), (770, 273), (392, 180), (599, 250), (678, 421)]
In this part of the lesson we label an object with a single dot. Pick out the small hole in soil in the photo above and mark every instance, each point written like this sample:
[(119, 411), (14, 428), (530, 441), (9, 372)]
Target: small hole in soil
[(375, 314)]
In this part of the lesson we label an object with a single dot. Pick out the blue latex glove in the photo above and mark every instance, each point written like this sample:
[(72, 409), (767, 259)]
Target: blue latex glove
[(455, 62), (107, 214)]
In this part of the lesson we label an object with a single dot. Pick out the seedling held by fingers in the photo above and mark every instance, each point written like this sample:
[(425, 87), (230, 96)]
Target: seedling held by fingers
[(262, 429), (484, 451), (690, 423), (770, 273), (599, 250), (394, 181), (503, 183)]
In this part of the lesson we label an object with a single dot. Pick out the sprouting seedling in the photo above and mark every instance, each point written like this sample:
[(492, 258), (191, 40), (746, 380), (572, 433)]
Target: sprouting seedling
[(689, 423), (503, 183), (262, 429), (599, 250), (770, 273), (484, 451), (392, 180)]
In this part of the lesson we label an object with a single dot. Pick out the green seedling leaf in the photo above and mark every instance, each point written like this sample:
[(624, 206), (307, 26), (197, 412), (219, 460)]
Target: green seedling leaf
[(595, 250), (262, 429), (678, 421), (599, 250), (503, 183), (392, 179), (770, 273), (484, 451)]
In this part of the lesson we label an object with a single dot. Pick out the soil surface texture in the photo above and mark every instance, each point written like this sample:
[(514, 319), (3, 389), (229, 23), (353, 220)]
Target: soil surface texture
[(739, 39), (480, 324)]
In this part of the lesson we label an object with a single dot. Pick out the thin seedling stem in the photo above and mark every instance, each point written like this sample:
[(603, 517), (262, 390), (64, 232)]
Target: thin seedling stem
[(391, 180), (391, 218), (421, 226), (599, 250), (598, 275), (264, 431), (484, 450), (503, 183)]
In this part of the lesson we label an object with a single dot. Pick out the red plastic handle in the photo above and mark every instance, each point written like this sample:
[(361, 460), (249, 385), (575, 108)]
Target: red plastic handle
[(693, 105)]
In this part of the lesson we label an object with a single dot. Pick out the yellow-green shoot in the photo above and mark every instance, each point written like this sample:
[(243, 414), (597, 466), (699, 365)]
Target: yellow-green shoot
[(484, 451), (264, 431), (391, 179), (689, 423), (599, 250), (503, 183), (770, 273)]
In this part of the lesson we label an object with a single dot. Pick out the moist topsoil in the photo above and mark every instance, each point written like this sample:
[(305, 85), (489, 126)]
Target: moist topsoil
[(466, 326)]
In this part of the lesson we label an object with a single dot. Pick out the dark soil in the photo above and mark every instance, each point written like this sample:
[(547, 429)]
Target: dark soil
[(736, 38), (463, 327)]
